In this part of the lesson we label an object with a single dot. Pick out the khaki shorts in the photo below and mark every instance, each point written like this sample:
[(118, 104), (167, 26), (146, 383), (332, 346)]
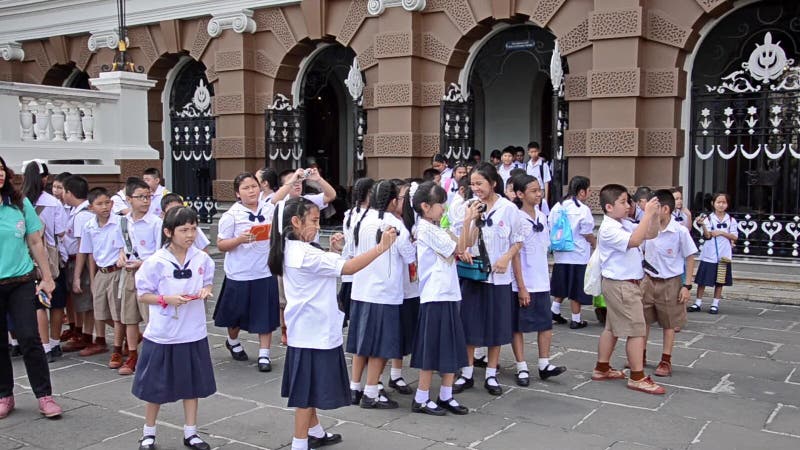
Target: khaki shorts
[(105, 292), (660, 300), (625, 316), (133, 311), (80, 302)]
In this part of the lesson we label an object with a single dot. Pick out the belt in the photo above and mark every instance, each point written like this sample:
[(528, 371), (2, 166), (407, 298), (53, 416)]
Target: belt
[(30, 276), (108, 269), (661, 279)]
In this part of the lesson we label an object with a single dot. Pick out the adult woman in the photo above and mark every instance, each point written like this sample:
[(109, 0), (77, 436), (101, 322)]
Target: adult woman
[(20, 237)]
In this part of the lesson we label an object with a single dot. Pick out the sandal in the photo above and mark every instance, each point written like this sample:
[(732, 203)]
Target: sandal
[(713, 310), (694, 308)]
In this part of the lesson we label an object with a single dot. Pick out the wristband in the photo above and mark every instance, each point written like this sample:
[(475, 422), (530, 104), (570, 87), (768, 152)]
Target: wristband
[(688, 286), (162, 302)]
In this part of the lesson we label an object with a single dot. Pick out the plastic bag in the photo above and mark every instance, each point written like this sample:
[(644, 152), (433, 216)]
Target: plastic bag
[(561, 234), (592, 278)]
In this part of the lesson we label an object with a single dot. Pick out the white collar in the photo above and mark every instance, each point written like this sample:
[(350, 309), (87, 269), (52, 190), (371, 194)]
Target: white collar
[(168, 256), (47, 200)]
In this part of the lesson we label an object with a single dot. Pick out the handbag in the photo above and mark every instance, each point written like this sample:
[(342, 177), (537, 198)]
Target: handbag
[(561, 234), (480, 268), (593, 278)]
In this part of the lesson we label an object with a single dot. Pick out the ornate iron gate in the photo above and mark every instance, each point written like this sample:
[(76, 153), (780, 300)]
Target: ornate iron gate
[(192, 130), (456, 138), (745, 121), (284, 128)]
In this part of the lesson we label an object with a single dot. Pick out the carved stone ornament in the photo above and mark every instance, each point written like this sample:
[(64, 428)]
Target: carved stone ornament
[(768, 62), (377, 7), (354, 82), (238, 21), (454, 94), (101, 39), (12, 51), (556, 71), (281, 103), (200, 106)]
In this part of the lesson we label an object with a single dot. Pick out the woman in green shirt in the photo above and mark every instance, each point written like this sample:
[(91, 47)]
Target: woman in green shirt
[(21, 237)]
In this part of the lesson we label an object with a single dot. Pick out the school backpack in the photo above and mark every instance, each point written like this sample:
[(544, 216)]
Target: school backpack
[(561, 233)]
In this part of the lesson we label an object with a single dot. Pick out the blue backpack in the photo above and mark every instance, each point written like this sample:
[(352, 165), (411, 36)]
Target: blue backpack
[(561, 233)]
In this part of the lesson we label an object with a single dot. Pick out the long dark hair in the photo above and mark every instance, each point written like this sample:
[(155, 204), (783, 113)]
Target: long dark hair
[(489, 172), (428, 192), (577, 184), (383, 194), (294, 207), (8, 194), (174, 218), (33, 180), (360, 195), (520, 183)]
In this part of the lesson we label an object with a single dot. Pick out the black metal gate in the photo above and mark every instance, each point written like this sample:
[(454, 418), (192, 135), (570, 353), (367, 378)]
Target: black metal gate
[(456, 138), (745, 120), (192, 130)]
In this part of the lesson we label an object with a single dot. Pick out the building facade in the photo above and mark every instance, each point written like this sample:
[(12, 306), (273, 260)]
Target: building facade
[(701, 94)]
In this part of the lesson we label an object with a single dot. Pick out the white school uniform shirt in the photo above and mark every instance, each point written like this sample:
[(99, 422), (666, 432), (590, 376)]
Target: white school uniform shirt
[(411, 288), (533, 255), (505, 173), (617, 261), (312, 315), (505, 231), (541, 171), (348, 251), (455, 214), (638, 214), (445, 175), (104, 243), (62, 249), (78, 217), (155, 203), (247, 261), (156, 276), (667, 252), (582, 222), (120, 202), (451, 187), (682, 218), (53, 217), (145, 235), (201, 240), (382, 280), (710, 250), (263, 198), (438, 277)]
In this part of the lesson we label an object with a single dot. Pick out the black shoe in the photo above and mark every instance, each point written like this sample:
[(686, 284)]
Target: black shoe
[(355, 396), (694, 308), (425, 409), (455, 409), (238, 356), (50, 357), (713, 310), (202, 445), (480, 362), (328, 439), (264, 364), (400, 388), (459, 387), (494, 390), (523, 381), (578, 325), (147, 446), (57, 352), (554, 372), (557, 318), (16, 351), (377, 403)]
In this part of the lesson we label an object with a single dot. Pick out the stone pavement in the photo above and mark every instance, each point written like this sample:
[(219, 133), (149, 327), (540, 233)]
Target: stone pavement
[(736, 384)]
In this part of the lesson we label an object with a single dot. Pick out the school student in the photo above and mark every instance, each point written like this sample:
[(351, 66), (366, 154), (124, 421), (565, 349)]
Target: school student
[(439, 343), (141, 237), (537, 167), (62, 293), (292, 183), (531, 287), (315, 373), (681, 214), (249, 300), (152, 177), (175, 363), (173, 200), (570, 267), (101, 240), (507, 165), (495, 157), (120, 205), (451, 185), (665, 295), (618, 242), (361, 190), (375, 333), (720, 231), (486, 305), (268, 182), (640, 198)]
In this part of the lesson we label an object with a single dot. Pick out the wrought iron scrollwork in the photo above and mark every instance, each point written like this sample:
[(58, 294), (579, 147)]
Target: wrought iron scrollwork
[(284, 131), (456, 133)]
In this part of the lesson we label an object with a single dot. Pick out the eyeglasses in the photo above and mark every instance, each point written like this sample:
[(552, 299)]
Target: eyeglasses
[(144, 198)]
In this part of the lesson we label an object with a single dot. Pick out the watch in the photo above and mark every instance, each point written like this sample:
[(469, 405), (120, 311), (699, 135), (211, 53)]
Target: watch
[(688, 286)]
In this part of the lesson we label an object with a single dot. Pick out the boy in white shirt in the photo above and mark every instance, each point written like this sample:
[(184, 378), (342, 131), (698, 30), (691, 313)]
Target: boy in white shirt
[(538, 168), (618, 242), (507, 164), (152, 177)]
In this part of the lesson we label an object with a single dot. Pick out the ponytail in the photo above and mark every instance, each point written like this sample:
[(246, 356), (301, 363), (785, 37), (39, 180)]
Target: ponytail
[(282, 230)]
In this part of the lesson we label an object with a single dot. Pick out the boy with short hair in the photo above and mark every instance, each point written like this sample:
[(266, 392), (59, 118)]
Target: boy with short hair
[(495, 157), (152, 177), (618, 242), (507, 164), (537, 167), (665, 296), (102, 241)]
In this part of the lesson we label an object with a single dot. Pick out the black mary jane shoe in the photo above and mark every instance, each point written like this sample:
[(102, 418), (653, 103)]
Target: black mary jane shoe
[(377, 403), (328, 439), (151, 446), (355, 396), (694, 308), (202, 445), (400, 388), (494, 390), (238, 356), (461, 387), (480, 362), (554, 372), (455, 409), (578, 325), (559, 319), (713, 310), (425, 409), (523, 381), (264, 364)]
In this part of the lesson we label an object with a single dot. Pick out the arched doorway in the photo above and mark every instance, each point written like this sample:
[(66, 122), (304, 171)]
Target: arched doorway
[(745, 112)]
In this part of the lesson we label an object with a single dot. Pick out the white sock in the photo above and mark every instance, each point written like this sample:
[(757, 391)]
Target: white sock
[(466, 372), (299, 444), (698, 301), (576, 318), (522, 365), (715, 302), (317, 431), (149, 431), (189, 431), (445, 393), (421, 396), (543, 363), (46, 347), (556, 308), (263, 353), (371, 391), (479, 353), (14, 342), (54, 343), (395, 373), (492, 372), (356, 386), (234, 343)]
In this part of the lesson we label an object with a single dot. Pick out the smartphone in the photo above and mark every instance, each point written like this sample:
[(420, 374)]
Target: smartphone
[(44, 299), (191, 296)]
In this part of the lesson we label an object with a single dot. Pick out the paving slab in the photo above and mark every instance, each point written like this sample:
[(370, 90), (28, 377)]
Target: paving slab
[(724, 408), (718, 436), (786, 420), (641, 426)]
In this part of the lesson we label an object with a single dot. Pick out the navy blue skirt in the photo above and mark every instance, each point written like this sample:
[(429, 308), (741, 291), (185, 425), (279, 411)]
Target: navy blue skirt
[(344, 299), (567, 282), (375, 330), (166, 373), (439, 342), (250, 305), (314, 378), (409, 312), (707, 275), (534, 317), (486, 313)]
